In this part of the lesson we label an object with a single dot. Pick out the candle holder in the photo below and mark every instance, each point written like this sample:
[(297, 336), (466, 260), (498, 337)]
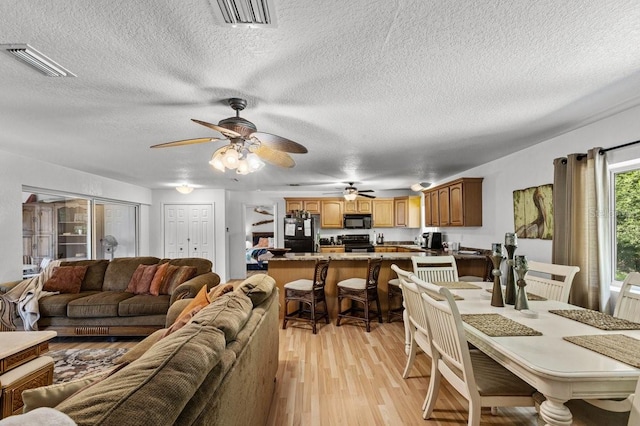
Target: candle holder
[(510, 243), (521, 269), (496, 259)]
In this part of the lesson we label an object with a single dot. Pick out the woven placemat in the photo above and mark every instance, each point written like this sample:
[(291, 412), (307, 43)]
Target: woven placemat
[(439, 297), (457, 285), (495, 325), (597, 319), (617, 346), (530, 296)]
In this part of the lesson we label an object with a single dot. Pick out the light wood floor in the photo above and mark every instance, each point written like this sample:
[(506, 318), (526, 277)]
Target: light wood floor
[(344, 375)]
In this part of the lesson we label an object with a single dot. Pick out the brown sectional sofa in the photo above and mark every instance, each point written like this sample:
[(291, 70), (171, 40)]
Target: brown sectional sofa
[(103, 307), (219, 369)]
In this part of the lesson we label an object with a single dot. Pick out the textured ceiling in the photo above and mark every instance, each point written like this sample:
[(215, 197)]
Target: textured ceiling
[(386, 93)]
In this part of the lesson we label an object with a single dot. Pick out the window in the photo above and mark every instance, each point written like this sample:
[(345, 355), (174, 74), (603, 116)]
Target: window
[(63, 226), (626, 221)]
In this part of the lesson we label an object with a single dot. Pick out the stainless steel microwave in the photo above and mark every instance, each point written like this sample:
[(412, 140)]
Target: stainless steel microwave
[(357, 221)]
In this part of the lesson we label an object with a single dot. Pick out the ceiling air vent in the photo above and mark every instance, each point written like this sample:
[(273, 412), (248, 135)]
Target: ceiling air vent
[(36, 60), (251, 13)]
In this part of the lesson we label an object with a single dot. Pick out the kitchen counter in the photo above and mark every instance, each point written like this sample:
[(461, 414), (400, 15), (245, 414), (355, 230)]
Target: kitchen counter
[(293, 266)]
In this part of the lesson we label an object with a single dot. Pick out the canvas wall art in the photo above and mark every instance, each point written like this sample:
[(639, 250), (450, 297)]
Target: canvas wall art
[(533, 212)]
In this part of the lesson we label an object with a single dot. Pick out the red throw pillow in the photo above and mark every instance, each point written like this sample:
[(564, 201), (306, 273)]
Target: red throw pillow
[(66, 279), (156, 282), (141, 279)]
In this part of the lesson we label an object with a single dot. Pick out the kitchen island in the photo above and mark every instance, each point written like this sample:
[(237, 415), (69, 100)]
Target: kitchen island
[(293, 266)]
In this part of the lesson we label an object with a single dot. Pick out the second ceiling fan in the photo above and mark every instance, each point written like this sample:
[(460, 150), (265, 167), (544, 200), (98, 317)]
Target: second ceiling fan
[(351, 192)]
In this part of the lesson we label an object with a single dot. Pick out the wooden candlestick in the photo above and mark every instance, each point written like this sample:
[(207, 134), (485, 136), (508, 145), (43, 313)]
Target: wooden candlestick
[(496, 297), (510, 291)]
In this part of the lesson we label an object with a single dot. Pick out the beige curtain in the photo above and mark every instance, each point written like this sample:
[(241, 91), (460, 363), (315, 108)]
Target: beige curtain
[(582, 228)]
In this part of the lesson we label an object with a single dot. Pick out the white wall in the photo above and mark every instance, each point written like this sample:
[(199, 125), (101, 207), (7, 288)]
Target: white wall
[(533, 167), (16, 171)]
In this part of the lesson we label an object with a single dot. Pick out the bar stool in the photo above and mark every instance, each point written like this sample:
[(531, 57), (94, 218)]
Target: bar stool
[(307, 292), (393, 292), (361, 290)]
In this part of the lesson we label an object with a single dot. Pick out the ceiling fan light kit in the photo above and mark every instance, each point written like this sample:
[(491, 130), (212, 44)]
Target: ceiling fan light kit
[(247, 147)]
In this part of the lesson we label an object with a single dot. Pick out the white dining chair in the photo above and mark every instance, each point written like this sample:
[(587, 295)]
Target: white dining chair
[(628, 303), (550, 280), (478, 378), (435, 268)]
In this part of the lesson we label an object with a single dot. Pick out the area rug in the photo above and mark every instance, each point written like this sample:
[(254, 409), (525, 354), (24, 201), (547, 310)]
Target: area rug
[(71, 364)]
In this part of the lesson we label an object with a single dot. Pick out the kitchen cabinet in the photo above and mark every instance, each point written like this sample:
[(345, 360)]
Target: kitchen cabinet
[(331, 213), (383, 213), (407, 212), (331, 249), (302, 204), (386, 249), (456, 203), (358, 206)]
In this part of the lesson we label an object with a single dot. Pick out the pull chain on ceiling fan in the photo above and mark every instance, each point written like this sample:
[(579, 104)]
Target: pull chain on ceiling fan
[(247, 147)]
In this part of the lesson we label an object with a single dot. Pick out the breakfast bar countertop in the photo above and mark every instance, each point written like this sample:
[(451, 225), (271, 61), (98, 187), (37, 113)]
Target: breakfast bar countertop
[(362, 256)]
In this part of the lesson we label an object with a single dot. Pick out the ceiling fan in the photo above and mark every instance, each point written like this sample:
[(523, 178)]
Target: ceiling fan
[(247, 147), (351, 192)]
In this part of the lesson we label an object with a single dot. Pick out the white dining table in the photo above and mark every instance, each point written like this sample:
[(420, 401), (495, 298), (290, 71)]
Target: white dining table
[(558, 369)]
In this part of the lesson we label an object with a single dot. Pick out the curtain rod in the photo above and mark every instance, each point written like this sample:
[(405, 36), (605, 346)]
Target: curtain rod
[(624, 145)]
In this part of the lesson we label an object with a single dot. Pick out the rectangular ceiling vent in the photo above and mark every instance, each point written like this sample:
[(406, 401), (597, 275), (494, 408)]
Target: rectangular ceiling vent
[(247, 13), (36, 60)]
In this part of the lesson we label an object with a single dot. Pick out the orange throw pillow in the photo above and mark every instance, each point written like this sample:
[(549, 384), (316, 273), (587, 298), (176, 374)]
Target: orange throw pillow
[(156, 282), (200, 301), (141, 279), (66, 279), (182, 274)]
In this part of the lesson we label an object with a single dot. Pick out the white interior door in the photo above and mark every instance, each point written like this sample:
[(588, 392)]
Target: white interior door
[(188, 230)]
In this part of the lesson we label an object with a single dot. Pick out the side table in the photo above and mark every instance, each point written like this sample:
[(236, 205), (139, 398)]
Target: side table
[(22, 366)]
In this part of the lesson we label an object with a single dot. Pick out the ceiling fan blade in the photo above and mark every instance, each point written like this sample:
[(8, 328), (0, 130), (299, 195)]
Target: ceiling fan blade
[(366, 195), (367, 190), (274, 157), (228, 133), (186, 142), (279, 143)]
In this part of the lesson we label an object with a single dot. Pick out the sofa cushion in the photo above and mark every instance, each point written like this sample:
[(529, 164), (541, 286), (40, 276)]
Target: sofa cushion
[(121, 269), (102, 304), (202, 265), (165, 376), (95, 272), (56, 305), (141, 347), (182, 274), (258, 287), (141, 279), (229, 313), (158, 278), (144, 304), (65, 279)]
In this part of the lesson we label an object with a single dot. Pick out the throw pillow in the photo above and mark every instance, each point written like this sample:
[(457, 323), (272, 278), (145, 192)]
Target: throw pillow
[(156, 282), (66, 279), (258, 287), (182, 274), (201, 300), (219, 290), (141, 279)]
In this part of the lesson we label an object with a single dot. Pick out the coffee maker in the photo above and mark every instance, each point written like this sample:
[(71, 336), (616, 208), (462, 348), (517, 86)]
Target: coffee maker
[(432, 240)]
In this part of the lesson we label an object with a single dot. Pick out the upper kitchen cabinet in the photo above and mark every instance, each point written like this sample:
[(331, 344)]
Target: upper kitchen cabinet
[(358, 206), (383, 213), (331, 213), (407, 212), (310, 205), (456, 203)]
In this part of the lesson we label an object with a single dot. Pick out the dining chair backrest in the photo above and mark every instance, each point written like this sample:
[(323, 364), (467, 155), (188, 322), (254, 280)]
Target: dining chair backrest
[(449, 342), (435, 268), (628, 303), (413, 302), (550, 280)]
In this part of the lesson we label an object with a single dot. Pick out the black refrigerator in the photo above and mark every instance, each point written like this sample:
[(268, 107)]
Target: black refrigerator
[(299, 234)]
